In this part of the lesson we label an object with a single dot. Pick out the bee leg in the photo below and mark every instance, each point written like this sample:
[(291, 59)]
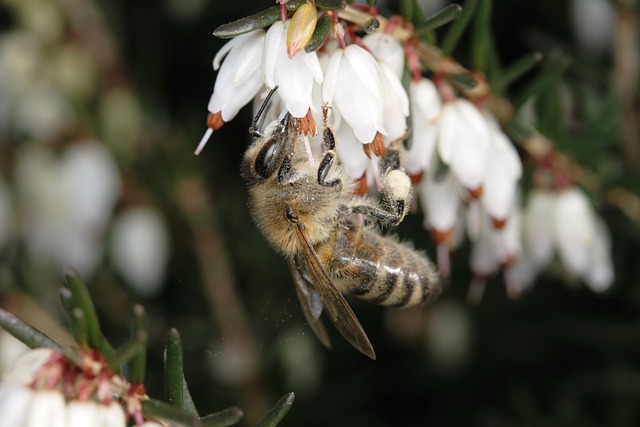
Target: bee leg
[(392, 216), (394, 201), (390, 160), (323, 170)]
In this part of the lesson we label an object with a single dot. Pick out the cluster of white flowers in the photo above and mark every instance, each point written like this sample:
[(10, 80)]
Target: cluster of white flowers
[(465, 168), (360, 82), (43, 388)]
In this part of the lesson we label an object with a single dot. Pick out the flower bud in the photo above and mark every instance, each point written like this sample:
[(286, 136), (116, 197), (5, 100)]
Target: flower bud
[(301, 28)]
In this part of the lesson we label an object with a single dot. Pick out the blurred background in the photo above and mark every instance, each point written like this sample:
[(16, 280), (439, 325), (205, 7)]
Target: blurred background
[(101, 106)]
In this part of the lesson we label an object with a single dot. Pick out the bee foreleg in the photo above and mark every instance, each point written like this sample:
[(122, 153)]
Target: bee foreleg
[(328, 139), (324, 168)]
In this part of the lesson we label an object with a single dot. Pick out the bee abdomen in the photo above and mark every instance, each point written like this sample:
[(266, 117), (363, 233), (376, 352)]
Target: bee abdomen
[(383, 271)]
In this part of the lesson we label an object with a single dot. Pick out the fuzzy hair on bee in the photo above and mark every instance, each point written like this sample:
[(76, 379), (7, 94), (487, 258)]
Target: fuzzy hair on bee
[(308, 212)]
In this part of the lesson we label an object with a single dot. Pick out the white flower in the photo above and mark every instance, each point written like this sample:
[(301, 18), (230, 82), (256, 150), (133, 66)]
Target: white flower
[(240, 77), (294, 76), (14, 403), (47, 409), (43, 389), (388, 49), (537, 227), (440, 201), (495, 246), (425, 110), (238, 81), (395, 102), (463, 141), (67, 203), (600, 275), (504, 170), (353, 86), (575, 230), (350, 152), (565, 223), (140, 248), (593, 23)]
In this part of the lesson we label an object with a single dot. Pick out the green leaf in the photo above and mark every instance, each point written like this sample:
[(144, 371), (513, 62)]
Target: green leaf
[(554, 67), (82, 300), (76, 318), (516, 70), (464, 81), (482, 36), (439, 19), (224, 418), (331, 4), (277, 413), (408, 8), (454, 34), (128, 351), (320, 34), (247, 24), (156, 409), (293, 5), (173, 374), (139, 327), (26, 333), (79, 327), (371, 3)]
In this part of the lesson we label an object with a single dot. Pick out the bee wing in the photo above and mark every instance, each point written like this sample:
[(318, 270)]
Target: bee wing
[(309, 300), (336, 306)]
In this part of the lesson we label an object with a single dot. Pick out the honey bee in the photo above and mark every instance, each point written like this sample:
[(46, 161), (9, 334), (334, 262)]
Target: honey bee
[(309, 214)]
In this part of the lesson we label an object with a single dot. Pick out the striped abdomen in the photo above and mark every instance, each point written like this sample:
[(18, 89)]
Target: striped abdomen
[(379, 269)]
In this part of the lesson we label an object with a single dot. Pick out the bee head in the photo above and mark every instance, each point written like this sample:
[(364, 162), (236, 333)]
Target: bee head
[(268, 151)]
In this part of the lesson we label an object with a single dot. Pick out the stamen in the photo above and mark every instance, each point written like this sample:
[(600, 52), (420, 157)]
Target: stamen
[(378, 145), (415, 179)]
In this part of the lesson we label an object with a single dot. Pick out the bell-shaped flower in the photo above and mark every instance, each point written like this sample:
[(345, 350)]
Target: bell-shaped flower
[(349, 151), (463, 142), (492, 249), (395, 102), (575, 230), (140, 249), (600, 275), (504, 170), (67, 202), (354, 87), (538, 235), (238, 81), (425, 111), (440, 200), (239, 78), (386, 48), (294, 76), (15, 400)]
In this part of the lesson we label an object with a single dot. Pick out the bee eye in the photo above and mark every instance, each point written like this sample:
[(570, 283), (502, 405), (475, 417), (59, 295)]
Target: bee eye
[(265, 161)]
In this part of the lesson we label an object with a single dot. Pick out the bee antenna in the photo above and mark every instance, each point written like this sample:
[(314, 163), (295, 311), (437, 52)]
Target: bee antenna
[(252, 130)]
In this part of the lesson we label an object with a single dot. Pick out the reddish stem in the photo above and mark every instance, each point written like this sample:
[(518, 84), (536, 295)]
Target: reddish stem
[(284, 14)]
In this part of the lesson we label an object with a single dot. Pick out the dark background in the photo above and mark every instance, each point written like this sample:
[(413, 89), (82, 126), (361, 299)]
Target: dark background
[(559, 356)]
